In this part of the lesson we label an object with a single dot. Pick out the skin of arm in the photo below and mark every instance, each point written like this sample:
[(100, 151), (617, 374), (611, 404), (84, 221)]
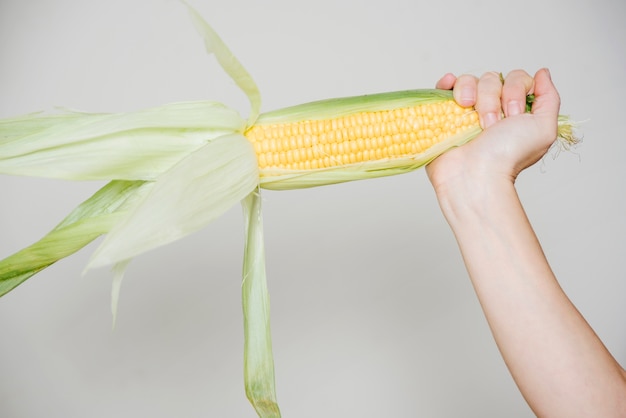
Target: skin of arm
[(559, 364)]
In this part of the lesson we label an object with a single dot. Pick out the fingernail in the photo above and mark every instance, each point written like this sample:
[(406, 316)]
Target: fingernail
[(467, 96), (548, 72), (489, 119), (513, 108)]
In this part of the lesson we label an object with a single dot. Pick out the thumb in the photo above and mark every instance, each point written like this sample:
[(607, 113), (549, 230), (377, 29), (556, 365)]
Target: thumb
[(547, 101)]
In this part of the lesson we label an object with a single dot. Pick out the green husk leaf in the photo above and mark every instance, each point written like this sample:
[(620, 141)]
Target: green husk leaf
[(229, 63), (130, 146), (94, 217), (343, 106), (118, 275), (258, 359), (184, 199)]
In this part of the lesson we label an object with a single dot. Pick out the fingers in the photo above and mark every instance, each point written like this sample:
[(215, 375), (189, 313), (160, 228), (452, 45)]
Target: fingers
[(547, 101), (484, 93), (494, 97), (489, 99), (517, 85), (465, 90), (446, 82)]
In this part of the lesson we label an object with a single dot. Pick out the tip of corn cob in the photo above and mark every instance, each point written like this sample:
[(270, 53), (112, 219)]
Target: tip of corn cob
[(566, 136)]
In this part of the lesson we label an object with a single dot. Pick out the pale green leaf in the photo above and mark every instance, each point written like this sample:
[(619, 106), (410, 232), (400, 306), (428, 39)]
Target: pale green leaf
[(118, 275), (229, 62), (258, 359), (184, 199), (94, 217), (343, 106), (131, 146)]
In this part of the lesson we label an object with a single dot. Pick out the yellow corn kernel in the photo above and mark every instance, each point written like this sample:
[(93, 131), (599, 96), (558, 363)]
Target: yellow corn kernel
[(358, 138)]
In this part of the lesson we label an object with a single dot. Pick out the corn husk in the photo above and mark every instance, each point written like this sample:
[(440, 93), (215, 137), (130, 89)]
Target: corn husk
[(173, 169), (258, 358), (138, 145), (94, 217)]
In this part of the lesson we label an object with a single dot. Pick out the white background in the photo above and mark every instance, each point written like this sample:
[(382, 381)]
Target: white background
[(372, 312)]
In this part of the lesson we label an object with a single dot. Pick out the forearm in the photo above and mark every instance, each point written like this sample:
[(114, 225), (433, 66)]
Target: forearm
[(559, 364)]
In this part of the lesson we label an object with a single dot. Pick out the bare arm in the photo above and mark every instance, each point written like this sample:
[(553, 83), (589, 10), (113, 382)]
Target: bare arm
[(559, 364)]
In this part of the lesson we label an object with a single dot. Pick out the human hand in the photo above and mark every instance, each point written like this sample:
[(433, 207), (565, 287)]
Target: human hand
[(512, 140)]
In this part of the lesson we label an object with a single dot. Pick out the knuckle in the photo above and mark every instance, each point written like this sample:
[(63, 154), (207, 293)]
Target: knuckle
[(518, 73), (519, 78), (491, 76), (466, 79)]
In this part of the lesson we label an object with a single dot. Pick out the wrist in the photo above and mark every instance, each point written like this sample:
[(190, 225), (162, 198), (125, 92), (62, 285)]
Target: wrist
[(471, 197)]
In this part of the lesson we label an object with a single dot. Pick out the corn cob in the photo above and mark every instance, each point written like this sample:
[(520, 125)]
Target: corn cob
[(356, 136)]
